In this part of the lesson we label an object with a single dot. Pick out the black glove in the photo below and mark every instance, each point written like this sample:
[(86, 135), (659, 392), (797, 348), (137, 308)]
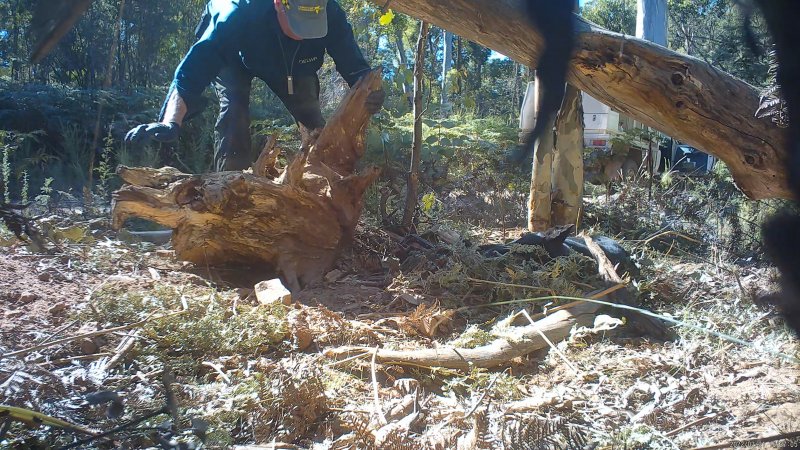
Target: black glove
[(375, 101), (161, 132)]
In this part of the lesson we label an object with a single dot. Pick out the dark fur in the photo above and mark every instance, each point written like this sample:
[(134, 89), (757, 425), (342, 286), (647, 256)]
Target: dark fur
[(15, 221), (782, 233), (555, 21)]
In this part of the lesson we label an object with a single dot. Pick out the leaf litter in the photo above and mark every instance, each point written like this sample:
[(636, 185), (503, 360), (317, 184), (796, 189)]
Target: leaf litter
[(241, 373)]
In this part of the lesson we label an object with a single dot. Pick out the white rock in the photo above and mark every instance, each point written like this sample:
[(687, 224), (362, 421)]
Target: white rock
[(28, 297), (273, 291)]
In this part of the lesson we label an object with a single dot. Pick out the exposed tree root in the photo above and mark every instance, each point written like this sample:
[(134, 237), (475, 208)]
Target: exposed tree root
[(293, 222)]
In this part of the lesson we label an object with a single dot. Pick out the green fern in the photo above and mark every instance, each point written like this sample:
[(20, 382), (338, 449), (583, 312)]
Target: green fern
[(772, 104), (105, 168), (25, 187), (5, 168), (531, 432)]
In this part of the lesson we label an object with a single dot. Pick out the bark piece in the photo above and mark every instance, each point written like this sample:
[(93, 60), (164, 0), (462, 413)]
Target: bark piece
[(124, 347), (294, 225), (150, 177), (265, 164), (333, 276), (679, 95), (299, 333), (605, 267)]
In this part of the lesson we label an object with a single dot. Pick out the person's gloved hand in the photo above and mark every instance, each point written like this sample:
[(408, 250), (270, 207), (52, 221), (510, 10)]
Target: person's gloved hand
[(375, 100), (161, 132)]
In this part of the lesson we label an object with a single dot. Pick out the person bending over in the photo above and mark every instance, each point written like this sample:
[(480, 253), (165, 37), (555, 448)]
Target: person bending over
[(282, 42)]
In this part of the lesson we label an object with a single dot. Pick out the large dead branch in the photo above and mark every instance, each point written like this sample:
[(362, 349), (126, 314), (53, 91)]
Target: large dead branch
[(516, 342), (681, 96)]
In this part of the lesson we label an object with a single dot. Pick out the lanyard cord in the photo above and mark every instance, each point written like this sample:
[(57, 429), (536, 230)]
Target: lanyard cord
[(289, 71)]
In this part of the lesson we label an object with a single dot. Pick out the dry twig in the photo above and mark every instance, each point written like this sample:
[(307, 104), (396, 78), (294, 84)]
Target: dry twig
[(752, 442), (34, 348), (376, 395), (123, 348), (550, 343)]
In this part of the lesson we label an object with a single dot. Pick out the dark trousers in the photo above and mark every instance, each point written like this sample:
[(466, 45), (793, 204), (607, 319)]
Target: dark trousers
[(232, 143)]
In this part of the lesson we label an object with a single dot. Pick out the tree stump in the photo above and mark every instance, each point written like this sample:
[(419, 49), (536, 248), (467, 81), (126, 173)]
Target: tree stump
[(293, 224)]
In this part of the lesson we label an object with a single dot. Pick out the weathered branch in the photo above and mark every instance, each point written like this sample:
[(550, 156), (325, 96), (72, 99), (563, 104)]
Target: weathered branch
[(519, 342)]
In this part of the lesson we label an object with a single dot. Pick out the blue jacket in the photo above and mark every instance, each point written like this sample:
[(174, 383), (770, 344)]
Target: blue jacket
[(247, 32)]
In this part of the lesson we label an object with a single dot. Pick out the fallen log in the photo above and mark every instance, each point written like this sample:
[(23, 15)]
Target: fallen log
[(516, 341), (679, 95), (293, 225)]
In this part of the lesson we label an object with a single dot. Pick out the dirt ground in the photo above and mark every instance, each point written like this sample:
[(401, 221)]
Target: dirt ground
[(37, 293), (621, 391)]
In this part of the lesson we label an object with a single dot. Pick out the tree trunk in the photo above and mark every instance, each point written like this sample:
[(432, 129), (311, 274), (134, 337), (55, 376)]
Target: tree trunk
[(401, 56), (15, 32), (681, 96), (527, 114), (540, 199), (515, 92), (412, 189), (651, 25), (460, 62), (447, 64), (568, 163), (294, 225), (651, 21)]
